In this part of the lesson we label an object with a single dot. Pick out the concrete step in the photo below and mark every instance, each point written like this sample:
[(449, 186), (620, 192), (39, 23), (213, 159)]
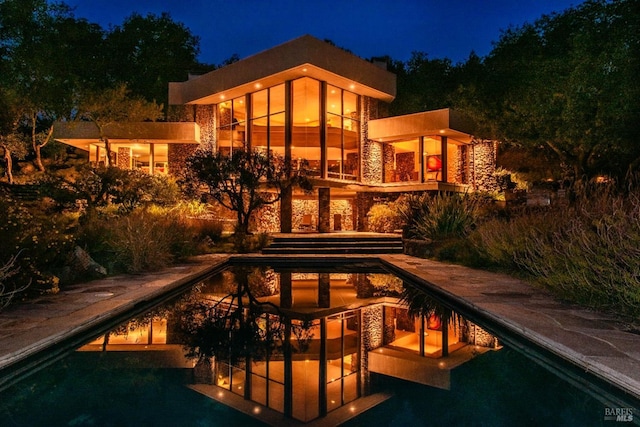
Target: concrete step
[(336, 250), (335, 244)]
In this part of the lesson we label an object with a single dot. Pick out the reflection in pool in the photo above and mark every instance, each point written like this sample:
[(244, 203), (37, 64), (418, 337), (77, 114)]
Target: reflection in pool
[(286, 345)]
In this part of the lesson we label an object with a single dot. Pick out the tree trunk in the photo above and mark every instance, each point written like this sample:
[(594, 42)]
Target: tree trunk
[(9, 164), (38, 147)]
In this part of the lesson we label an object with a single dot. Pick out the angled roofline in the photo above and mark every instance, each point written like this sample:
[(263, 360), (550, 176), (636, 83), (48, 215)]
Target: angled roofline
[(304, 56)]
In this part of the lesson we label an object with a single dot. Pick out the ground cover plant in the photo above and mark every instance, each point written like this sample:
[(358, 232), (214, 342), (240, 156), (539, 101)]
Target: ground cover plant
[(585, 250)]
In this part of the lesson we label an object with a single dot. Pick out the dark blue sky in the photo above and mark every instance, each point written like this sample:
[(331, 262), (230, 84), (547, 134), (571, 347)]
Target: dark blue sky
[(441, 28)]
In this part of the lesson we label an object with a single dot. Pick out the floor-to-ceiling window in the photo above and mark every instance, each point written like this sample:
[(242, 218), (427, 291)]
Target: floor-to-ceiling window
[(268, 120), (305, 141), (402, 161), (432, 163), (343, 127), (232, 119)]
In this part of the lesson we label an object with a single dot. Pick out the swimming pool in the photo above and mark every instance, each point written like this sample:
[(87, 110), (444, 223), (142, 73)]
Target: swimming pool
[(282, 344)]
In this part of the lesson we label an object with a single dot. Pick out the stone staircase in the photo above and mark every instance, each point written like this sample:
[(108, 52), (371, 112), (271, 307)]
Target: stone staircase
[(356, 243)]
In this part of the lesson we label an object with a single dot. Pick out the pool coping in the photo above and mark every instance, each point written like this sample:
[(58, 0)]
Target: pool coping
[(594, 342)]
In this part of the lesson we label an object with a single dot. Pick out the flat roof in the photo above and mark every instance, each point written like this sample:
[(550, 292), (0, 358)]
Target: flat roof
[(304, 56), (81, 134), (443, 122)]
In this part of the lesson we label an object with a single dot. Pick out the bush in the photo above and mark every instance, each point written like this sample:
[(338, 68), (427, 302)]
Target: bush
[(441, 216), (142, 240), (43, 242), (587, 252), (384, 218)]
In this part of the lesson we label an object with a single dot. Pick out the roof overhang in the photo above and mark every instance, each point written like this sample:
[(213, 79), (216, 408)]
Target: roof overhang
[(81, 134), (304, 56), (443, 122)]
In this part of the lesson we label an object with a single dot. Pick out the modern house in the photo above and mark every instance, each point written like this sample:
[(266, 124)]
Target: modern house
[(308, 100)]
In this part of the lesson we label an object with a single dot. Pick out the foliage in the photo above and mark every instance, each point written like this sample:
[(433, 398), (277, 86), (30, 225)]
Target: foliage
[(440, 216), (566, 84), (148, 52), (384, 218), (586, 252), (137, 241), (8, 292), (43, 242), (240, 182), (127, 188)]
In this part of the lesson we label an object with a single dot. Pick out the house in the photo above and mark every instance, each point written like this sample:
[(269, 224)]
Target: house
[(309, 100)]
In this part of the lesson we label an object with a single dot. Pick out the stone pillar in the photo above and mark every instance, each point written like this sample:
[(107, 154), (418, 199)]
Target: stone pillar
[(125, 158), (286, 297), (324, 210), (286, 210), (324, 290)]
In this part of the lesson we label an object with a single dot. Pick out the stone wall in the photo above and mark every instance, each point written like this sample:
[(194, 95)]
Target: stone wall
[(267, 219), (207, 119), (372, 335), (477, 165), (177, 155), (485, 165), (475, 335), (124, 158), (372, 151)]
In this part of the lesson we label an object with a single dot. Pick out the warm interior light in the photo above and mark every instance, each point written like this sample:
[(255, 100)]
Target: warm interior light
[(304, 70), (258, 85), (352, 86)]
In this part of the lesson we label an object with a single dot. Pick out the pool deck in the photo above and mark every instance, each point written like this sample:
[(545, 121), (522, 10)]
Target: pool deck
[(594, 342)]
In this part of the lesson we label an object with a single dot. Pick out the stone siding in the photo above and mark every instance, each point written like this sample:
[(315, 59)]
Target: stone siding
[(177, 155), (207, 119)]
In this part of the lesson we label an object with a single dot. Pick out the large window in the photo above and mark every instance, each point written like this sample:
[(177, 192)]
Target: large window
[(342, 134), (432, 164), (232, 117), (267, 120), (305, 143), (402, 161)]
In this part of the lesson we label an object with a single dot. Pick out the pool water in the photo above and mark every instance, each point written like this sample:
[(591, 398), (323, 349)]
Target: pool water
[(303, 337)]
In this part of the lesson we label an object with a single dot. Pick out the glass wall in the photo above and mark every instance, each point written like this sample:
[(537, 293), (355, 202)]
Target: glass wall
[(342, 359), (305, 143), (343, 127), (402, 161), (232, 119), (432, 164), (267, 120)]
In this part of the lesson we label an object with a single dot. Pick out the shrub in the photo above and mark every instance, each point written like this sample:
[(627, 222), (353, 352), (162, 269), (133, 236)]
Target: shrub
[(384, 218), (43, 242), (440, 216), (137, 241), (587, 252)]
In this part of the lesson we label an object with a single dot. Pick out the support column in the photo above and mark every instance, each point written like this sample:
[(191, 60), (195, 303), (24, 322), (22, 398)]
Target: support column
[(443, 157), (286, 210), (286, 298), (324, 210), (322, 386), (445, 335), (324, 292), (152, 158)]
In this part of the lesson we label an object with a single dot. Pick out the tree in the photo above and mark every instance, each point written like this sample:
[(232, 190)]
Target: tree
[(45, 55), (240, 182), (148, 52), (11, 140), (567, 83), (115, 105)]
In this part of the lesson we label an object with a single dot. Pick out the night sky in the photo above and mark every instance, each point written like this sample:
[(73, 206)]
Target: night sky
[(441, 28)]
